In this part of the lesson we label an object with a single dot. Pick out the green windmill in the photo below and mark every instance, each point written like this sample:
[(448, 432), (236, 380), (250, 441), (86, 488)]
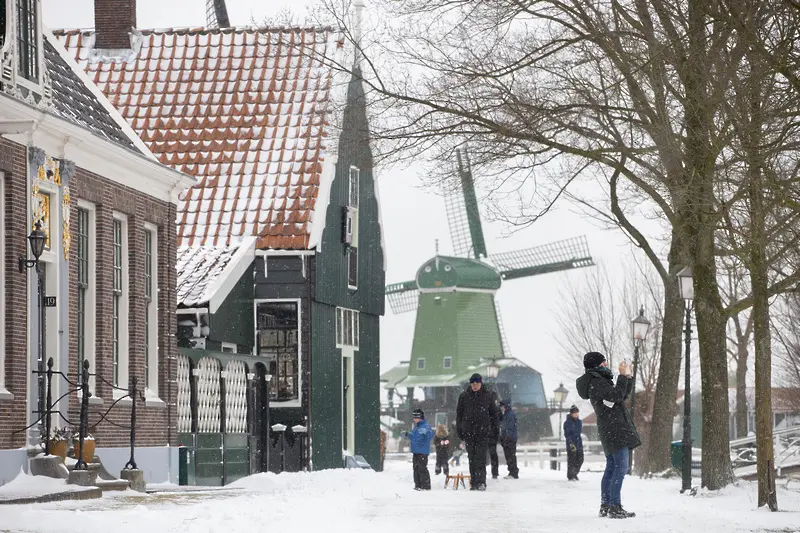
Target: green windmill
[(458, 325)]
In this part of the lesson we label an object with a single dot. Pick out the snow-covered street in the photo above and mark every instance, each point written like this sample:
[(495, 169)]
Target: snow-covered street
[(360, 501)]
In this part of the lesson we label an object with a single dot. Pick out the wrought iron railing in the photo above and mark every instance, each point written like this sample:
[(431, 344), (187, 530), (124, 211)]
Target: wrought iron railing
[(45, 417)]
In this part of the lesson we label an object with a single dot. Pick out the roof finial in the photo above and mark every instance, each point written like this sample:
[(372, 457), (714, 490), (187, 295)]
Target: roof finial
[(358, 12)]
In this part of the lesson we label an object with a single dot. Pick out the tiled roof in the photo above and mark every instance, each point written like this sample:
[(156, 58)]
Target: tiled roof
[(242, 109), (75, 102), (198, 268)]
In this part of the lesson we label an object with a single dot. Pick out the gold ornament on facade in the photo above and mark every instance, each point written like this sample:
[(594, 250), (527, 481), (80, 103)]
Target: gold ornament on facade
[(65, 217)]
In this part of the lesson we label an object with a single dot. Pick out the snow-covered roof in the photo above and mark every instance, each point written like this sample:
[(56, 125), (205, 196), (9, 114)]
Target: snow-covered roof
[(242, 109), (206, 274)]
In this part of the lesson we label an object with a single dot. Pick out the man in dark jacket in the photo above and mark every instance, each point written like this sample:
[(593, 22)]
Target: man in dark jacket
[(494, 460), (573, 427), (617, 432), (477, 425), (508, 439)]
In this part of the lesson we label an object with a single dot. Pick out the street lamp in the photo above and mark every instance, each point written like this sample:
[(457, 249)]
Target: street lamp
[(37, 240), (639, 328), (560, 395), (686, 286)]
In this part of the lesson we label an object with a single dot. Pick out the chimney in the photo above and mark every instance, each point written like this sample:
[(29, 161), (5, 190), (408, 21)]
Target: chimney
[(113, 21)]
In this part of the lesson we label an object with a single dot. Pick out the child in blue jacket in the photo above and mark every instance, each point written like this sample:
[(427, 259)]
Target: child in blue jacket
[(420, 438)]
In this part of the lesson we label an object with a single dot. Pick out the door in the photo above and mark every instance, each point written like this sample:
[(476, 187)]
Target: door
[(348, 403), (259, 427)]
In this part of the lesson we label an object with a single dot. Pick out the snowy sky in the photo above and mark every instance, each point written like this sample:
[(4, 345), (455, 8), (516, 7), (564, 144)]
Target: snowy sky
[(413, 217)]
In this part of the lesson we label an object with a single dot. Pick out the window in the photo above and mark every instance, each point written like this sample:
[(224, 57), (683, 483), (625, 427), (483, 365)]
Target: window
[(421, 364), (347, 327), (83, 286), (352, 268), (352, 197), (28, 39), (86, 300), (119, 309), (352, 250), (448, 362), (151, 309), (278, 332), (4, 394), (228, 347)]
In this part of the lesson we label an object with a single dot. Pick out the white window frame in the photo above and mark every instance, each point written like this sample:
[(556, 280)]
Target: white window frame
[(152, 389), (353, 206), (228, 347), (90, 314), (348, 398), (447, 363), (35, 86), (354, 171), (422, 366), (124, 311), (4, 394), (299, 401), (352, 316)]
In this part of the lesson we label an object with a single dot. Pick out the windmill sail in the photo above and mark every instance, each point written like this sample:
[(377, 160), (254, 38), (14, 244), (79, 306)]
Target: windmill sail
[(403, 297), (463, 215), (217, 14), (552, 257)]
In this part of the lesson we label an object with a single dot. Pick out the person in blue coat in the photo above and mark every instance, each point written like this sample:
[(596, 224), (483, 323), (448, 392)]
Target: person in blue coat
[(508, 439), (420, 437), (573, 427)]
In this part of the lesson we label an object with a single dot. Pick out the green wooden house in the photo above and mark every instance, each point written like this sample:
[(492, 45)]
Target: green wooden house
[(280, 257)]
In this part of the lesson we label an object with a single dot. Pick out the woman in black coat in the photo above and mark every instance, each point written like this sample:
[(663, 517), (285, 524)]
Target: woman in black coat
[(614, 424)]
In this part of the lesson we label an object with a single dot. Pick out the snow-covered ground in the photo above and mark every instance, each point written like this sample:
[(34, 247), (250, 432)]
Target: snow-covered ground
[(359, 502)]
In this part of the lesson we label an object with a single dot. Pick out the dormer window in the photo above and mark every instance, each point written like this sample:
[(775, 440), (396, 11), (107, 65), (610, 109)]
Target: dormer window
[(28, 39)]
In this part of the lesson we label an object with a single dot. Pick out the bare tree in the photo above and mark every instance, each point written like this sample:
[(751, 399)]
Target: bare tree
[(635, 90)]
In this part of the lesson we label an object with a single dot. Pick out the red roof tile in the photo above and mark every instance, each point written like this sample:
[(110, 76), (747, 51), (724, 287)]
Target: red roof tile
[(242, 109)]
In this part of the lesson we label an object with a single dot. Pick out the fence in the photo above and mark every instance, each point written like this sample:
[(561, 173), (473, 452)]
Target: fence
[(45, 409)]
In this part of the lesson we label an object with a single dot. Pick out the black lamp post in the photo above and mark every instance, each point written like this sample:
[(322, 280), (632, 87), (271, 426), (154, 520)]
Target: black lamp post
[(37, 240), (686, 285), (639, 328), (560, 394)]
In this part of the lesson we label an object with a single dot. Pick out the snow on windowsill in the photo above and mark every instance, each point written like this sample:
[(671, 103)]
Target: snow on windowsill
[(151, 399), (5, 395)]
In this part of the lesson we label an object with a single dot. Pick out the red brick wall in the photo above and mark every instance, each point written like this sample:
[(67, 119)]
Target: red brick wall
[(113, 20), (108, 196), (12, 413)]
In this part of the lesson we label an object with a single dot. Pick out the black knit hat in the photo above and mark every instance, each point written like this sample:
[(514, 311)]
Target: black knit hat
[(573, 409), (593, 359), (417, 414), (476, 378)]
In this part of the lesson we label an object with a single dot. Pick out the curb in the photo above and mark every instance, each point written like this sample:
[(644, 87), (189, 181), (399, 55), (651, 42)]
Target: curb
[(89, 494)]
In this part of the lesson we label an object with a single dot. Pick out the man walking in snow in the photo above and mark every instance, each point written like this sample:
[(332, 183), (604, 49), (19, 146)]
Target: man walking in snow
[(420, 437), (617, 432), (508, 438), (477, 425), (573, 427)]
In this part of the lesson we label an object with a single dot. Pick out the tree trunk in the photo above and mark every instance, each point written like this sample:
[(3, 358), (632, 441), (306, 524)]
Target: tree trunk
[(661, 428), (700, 220), (741, 387)]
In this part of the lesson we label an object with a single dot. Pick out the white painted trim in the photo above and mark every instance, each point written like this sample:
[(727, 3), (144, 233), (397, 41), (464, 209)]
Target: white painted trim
[(90, 335), (355, 316), (320, 214), (221, 287), (380, 220), (230, 346), (192, 311), (458, 289), (124, 310), (94, 153), (4, 393), (299, 401), (95, 90), (37, 86), (152, 389), (287, 253)]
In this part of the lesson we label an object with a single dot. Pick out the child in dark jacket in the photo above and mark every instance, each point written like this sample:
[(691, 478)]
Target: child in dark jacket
[(442, 443), (420, 438)]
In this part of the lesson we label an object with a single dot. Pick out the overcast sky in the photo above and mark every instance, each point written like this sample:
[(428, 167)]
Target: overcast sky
[(413, 217)]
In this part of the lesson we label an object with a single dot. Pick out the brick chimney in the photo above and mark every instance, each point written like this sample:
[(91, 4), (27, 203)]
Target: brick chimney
[(113, 20)]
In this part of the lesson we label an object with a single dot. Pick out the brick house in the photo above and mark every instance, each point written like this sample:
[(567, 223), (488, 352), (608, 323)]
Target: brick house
[(108, 208), (280, 255)]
